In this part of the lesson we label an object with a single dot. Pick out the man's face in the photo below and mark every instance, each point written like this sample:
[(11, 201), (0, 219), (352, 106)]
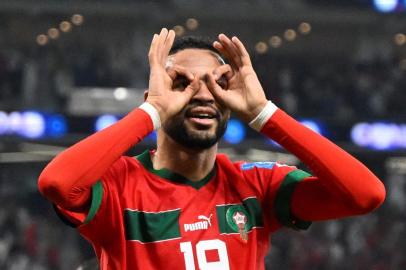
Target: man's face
[(203, 121)]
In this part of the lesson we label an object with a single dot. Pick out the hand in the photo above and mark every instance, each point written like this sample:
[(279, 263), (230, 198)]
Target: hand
[(161, 95), (244, 94)]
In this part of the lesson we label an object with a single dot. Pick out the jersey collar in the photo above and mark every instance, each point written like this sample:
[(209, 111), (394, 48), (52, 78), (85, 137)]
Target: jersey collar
[(145, 160)]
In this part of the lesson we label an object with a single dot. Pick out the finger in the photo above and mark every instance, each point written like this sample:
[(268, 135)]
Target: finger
[(225, 70), (215, 89), (217, 45), (176, 70), (172, 73), (168, 45), (161, 43), (229, 46), (245, 57), (151, 54), (192, 88), (223, 51)]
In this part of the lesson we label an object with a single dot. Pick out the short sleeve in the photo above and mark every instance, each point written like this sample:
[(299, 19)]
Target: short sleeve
[(98, 218), (75, 219), (283, 198), (276, 182)]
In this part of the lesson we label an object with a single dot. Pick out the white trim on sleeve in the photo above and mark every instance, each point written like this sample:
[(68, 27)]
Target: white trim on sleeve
[(260, 120), (153, 113)]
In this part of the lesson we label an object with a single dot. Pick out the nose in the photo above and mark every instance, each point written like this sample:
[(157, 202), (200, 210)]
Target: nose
[(203, 94)]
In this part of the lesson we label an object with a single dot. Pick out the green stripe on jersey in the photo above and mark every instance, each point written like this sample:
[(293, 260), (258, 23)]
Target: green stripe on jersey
[(283, 201), (249, 207), (97, 195), (149, 227)]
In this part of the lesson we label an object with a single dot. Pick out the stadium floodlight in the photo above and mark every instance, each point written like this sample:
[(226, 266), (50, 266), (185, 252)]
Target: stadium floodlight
[(379, 136), (105, 121), (32, 125), (385, 5), (235, 132), (15, 120), (312, 125), (360, 133), (120, 93), (3, 123), (56, 125)]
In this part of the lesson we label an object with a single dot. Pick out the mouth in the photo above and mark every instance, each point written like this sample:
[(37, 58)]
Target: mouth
[(202, 116)]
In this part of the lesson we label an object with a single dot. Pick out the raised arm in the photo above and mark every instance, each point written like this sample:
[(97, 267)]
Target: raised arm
[(68, 178), (342, 185)]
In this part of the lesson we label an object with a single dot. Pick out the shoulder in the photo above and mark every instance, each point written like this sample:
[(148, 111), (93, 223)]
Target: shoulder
[(120, 173), (122, 165), (269, 165), (254, 168), (246, 166)]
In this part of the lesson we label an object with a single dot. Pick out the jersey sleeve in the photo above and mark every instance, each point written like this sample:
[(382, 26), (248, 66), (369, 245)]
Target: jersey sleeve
[(277, 182), (103, 214)]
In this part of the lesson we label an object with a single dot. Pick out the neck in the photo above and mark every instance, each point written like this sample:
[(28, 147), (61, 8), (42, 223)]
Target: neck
[(191, 163)]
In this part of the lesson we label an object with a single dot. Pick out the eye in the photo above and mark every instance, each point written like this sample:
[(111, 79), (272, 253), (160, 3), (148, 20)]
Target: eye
[(223, 82), (180, 82)]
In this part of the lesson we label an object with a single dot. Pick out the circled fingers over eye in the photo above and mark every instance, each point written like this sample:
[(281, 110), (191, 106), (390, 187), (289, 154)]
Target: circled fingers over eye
[(223, 70), (175, 71), (181, 83)]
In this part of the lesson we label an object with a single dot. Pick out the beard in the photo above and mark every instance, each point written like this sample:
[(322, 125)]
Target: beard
[(197, 139)]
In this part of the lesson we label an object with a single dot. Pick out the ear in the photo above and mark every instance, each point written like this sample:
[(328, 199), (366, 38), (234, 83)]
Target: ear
[(145, 95)]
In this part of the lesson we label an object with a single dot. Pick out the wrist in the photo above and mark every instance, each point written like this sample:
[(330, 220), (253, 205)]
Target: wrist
[(263, 115), (257, 110), (153, 112)]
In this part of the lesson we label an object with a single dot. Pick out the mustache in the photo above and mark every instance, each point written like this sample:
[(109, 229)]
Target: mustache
[(189, 107)]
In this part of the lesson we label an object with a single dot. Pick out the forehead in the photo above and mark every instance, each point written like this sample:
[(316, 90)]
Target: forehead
[(195, 59)]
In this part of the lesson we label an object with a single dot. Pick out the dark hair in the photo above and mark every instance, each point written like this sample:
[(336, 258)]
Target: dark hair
[(194, 42)]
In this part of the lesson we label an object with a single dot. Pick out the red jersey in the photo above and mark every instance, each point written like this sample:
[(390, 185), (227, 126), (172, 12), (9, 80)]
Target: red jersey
[(142, 218)]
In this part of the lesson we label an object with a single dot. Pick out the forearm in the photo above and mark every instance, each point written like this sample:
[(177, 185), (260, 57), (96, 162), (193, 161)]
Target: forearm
[(67, 179), (342, 175)]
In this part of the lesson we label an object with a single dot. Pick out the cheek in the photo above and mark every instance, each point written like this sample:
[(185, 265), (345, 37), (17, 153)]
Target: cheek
[(226, 114)]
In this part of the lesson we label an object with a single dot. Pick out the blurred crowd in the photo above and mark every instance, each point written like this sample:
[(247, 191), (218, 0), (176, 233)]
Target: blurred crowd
[(31, 236), (339, 89), (33, 241), (42, 78), (372, 242)]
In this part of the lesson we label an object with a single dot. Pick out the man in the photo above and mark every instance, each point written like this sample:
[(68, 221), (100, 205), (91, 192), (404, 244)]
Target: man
[(183, 206)]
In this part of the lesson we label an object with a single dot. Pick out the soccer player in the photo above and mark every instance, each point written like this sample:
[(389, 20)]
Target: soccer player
[(183, 205)]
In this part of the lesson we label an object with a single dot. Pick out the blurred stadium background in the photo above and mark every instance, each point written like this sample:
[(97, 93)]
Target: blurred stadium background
[(69, 68)]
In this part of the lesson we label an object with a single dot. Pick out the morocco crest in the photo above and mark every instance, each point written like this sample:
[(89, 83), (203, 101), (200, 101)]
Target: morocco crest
[(237, 219)]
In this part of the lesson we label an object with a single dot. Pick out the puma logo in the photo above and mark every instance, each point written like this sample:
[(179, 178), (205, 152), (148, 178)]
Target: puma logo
[(203, 224), (208, 219)]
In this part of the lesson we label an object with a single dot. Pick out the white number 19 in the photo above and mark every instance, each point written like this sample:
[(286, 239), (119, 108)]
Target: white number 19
[(201, 247)]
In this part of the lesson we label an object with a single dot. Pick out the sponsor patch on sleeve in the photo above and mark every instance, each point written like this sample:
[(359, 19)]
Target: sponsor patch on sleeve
[(261, 165)]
